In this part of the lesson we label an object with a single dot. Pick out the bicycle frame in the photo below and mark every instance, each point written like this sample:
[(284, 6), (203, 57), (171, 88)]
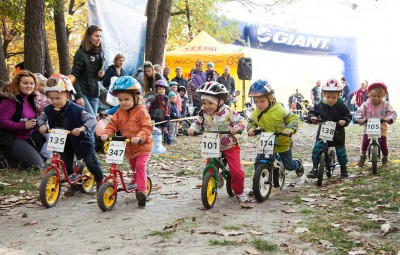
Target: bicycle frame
[(216, 164), (116, 174), (374, 142), (55, 162)]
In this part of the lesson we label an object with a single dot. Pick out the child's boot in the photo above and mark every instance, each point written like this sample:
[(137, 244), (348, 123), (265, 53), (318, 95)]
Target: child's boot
[(98, 185), (361, 160), (385, 160), (343, 172), (141, 198), (313, 173)]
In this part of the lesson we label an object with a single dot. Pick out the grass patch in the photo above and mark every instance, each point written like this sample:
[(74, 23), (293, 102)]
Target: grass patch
[(18, 180), (297, 199), (230, 227), (306, 211), (163, 234), (224, 242), (263, 245), (370, 225), (322, 230)]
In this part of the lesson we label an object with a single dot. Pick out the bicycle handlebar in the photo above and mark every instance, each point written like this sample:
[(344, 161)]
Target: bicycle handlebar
[(215, 132), (81, 134), (258, 131), (123, 138), (382, 121)]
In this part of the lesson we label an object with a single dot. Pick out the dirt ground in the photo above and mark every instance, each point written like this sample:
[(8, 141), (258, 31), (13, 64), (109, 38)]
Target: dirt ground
[(174, 220)]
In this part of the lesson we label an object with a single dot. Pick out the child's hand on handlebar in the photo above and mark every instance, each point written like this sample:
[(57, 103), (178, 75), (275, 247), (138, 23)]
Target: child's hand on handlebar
[(251, 132), (287, 131), (389, 120), (314, 120), (190, 131), (136, 140), (77, 131), (342, 123), (234, 130), (104, 137), (361, 121)]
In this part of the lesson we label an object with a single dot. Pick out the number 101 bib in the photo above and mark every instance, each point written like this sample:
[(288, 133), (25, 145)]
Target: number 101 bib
[(210, 144)]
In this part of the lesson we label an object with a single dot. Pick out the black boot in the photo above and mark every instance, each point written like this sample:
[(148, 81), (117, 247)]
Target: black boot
[(343, 172), (313, 173)]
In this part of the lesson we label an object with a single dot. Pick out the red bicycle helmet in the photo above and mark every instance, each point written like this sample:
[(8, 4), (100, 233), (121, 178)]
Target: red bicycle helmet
[(377, 84)]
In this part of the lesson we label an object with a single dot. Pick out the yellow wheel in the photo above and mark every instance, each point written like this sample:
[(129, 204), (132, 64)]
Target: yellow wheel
[(49, 191), (149, 187), (105, 198), (87, 182), (208, 191)]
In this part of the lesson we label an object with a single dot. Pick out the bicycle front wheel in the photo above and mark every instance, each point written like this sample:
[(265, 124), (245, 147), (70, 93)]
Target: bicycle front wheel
[(262, 182), (49, 191), (321, 169), (374, 159), (208, 191), (106, 198)]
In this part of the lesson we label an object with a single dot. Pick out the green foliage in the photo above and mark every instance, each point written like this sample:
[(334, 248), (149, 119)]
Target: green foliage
[(224, 242), (12, 14), (205, 15)]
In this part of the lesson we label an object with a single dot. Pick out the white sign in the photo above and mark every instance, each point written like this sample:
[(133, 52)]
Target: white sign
[(327, 130), (266, 143), (210, 144), (116, 152), (57, 140), (374, 127)]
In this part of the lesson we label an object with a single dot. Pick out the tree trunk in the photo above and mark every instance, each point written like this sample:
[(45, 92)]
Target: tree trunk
[(62, 38), (3, 68), (151, 13), (48, 67), (160, 32), (34, 48)]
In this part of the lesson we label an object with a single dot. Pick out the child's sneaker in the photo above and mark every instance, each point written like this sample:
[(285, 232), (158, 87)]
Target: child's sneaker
[(385, 160), (141, 198), (312, 174), (361, 160), (300, 171), (243, 198)]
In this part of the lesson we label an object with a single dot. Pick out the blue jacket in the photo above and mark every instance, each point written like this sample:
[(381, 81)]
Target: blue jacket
[(174, 112), (70, 118)]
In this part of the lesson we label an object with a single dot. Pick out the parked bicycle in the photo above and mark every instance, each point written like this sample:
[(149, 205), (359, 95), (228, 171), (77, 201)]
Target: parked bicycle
[(49, 189)]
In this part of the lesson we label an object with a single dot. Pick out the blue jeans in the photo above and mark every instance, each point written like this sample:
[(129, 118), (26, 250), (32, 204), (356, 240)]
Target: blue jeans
[(286, 158), (91, 105)]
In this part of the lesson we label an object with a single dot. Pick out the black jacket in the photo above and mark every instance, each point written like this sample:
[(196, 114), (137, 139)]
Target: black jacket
[(338, 111)]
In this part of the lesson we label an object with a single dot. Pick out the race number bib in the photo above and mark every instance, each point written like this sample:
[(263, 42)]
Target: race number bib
[(116, 152), (266, 143), (210, 144), (374, 128), (327, 130), (57, 140)]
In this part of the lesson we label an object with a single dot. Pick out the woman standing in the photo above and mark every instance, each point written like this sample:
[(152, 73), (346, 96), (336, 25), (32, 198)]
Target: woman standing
[(361, 95), (88, 69), (114, 70), (17, 122)]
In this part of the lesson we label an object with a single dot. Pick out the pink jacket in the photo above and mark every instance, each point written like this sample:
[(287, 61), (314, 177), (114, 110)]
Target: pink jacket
[(381, 111)]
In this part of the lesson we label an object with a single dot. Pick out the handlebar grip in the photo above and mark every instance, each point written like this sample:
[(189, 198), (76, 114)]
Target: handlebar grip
[(119, 138)]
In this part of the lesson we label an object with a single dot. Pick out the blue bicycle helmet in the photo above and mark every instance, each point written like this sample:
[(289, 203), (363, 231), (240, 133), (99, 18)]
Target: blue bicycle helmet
[(125, 84), (260, 88), (173, 83)]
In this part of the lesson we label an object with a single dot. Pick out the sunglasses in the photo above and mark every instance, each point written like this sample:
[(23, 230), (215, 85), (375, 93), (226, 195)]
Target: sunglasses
[(147, 66), (93, 27)]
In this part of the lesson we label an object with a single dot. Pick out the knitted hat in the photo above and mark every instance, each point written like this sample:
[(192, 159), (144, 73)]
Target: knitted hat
[(171, 94)]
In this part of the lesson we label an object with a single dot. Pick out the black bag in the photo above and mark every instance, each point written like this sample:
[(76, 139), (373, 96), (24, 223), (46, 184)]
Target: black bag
[(7, 139), (37, 140), (158, 115)]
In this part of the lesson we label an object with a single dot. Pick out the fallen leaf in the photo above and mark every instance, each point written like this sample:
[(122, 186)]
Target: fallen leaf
[(198, 186), (326, 243), (305, 199), (359, 252), (255, 232), (252, 251), (32, 222), (246, 205), (301, 230), (230, 233), (295, 251), (385, 228), (289, 211)]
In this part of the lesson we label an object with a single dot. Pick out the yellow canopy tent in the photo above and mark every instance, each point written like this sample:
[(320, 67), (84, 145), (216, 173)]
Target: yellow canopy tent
[(207, 49)]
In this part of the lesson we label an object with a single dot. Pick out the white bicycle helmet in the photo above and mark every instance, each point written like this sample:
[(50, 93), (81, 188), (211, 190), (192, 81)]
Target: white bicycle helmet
[(215, 89), (332, 85)]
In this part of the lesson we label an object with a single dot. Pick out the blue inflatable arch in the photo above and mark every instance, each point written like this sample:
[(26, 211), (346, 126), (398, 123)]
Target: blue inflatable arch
[(271, 38)]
